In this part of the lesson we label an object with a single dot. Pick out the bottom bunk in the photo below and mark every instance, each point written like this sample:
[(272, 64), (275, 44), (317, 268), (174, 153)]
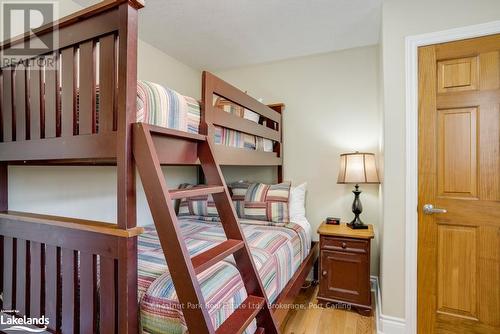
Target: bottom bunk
[(72, 272), (278, 253)]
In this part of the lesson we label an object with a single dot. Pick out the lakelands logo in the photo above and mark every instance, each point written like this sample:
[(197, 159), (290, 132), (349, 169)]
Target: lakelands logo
[(21, 324)]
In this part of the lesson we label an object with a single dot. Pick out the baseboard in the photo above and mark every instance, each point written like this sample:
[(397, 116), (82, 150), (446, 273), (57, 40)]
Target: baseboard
[(385, 324), (391, 325)]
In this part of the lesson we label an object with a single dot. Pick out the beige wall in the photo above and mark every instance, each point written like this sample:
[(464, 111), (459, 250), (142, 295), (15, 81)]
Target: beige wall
[(403, 18), (81, 192), (331, 107), (250, 173), (155, 65), (90, 193)]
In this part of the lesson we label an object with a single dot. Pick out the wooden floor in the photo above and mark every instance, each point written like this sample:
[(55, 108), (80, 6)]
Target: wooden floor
[(312, 319)]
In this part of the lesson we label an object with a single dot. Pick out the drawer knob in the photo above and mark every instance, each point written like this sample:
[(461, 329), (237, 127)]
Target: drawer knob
[(344, 245), (324, 272)]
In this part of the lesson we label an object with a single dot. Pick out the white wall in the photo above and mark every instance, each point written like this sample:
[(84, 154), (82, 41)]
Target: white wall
[(250, 173), (332, 107), (403, 18), (80, 192), (90, 192), (155, 65)]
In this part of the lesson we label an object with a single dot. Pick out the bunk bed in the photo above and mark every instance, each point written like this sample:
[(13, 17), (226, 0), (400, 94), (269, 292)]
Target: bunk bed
[(83, 109)]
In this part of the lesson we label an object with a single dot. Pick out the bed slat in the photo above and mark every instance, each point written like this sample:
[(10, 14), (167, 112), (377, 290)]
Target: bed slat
[(68, 92), (1, 107), (35, 102), (68, 271), (87, 293), (214, 255), (107, 83), (20, 102), (1, 268), (22, 278), (4, 187), (107, 295), (227, 120), (51, 98), (8, 269), (239, 320), (86, 110), (52, 270), (7, 105), (214, 85), (36, 279)]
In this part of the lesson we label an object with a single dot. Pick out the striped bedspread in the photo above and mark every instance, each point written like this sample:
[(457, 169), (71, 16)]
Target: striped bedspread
[(277, 253)]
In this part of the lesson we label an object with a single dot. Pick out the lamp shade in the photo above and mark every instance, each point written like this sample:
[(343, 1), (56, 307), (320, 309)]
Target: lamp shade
[(358, 168)]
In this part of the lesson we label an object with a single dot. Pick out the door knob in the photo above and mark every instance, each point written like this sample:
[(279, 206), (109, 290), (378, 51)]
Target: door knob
[(429, 209)]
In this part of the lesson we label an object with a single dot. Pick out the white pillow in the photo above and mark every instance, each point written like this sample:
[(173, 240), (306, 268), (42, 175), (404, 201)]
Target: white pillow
[(298, 202)]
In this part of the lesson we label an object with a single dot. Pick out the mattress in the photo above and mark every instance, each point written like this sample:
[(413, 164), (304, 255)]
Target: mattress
[(165, 107), (277, 253)]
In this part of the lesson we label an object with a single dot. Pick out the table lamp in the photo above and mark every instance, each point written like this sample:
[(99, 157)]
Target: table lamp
[(357, 168)]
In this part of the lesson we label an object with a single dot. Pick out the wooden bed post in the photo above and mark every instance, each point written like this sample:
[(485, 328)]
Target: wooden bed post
[(126, 190), (3, 207), (126, 114), (3, 188), (278, 148), (206, 122)]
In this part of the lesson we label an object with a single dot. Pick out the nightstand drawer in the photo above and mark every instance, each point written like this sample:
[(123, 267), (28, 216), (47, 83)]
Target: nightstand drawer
[(344, 244)]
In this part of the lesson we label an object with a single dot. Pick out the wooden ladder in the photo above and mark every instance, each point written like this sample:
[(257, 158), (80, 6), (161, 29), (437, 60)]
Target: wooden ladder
[(184, 269)]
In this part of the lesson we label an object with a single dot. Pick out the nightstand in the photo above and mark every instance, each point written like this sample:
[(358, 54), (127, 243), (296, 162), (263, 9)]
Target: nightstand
[(344, 268)]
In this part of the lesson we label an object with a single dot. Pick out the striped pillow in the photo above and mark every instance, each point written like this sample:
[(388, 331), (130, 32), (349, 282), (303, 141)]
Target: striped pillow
[(228, 137), (201, 206), (238, 192), (262, 201), (165, 107)]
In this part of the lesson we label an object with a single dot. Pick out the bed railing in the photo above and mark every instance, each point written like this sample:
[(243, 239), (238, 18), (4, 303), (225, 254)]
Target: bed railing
[(268, 127), (68, 270), (54, 266), (40, 93)]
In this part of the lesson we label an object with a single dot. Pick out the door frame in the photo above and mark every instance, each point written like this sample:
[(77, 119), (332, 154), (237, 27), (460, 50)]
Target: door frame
[(412, 43)]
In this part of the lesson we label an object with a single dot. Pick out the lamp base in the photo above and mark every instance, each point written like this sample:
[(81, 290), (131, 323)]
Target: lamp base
[(357, 226), (357, 208)]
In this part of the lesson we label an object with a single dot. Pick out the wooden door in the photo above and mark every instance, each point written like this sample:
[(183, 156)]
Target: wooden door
[(459, 170)]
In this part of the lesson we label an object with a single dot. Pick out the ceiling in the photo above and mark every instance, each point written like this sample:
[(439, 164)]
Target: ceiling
[(221, 34)]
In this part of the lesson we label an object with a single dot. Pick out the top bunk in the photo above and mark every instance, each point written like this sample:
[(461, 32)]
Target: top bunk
[(76, 102)]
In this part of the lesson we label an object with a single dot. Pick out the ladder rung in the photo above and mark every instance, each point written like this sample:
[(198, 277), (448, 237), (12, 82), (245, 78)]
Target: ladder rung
[(216, 254), (195, 191), (239, 320), (162, 131)]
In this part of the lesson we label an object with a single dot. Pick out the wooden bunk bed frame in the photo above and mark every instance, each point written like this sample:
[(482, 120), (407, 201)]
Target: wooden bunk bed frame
[(50, 264)]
